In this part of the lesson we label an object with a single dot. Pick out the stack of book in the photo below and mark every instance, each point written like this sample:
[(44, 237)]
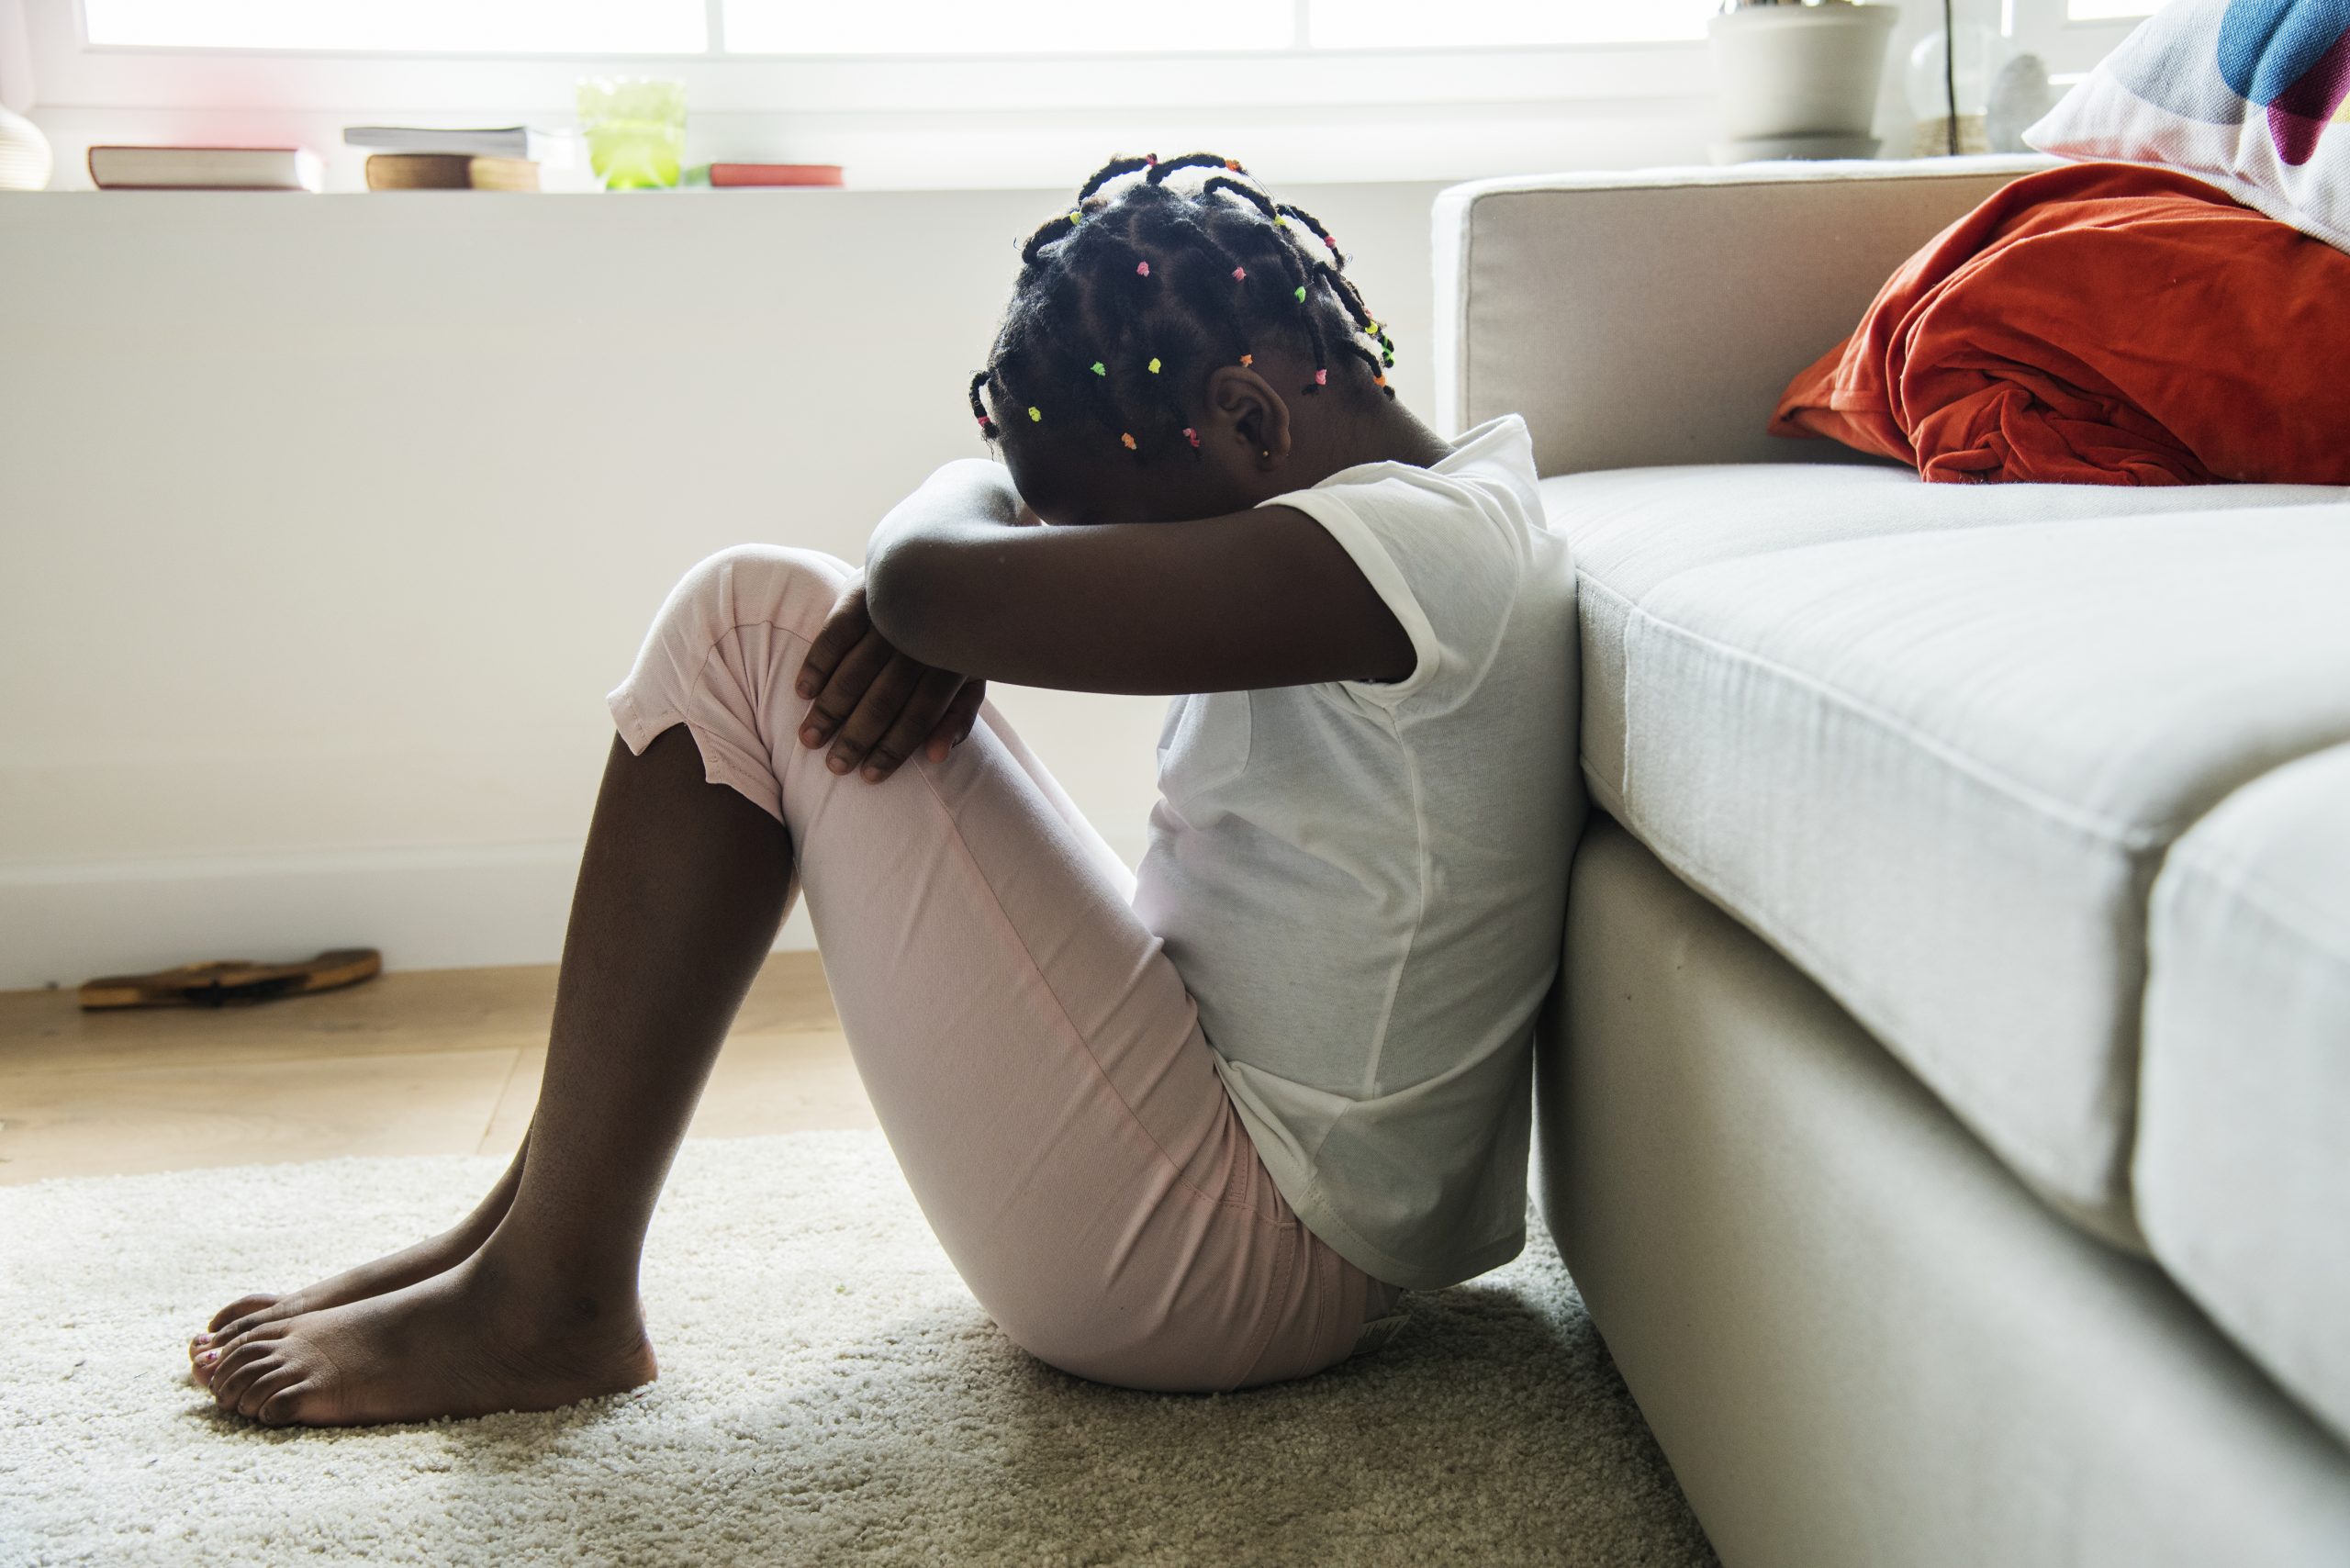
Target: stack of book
[(421, 157), (205, 169)]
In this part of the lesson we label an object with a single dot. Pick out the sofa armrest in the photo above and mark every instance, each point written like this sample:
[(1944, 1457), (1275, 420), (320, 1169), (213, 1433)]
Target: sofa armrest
[(1654, 316)]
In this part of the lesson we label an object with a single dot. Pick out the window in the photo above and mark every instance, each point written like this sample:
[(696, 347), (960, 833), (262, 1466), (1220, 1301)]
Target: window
[(1417, 23), (898, 26), (923, 94), (406, 26)]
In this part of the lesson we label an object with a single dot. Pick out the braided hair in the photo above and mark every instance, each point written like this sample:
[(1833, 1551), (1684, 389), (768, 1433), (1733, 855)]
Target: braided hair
[(1126, 301)]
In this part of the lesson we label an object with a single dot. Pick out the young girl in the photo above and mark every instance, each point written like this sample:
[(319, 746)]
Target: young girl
[(1195, 1130)]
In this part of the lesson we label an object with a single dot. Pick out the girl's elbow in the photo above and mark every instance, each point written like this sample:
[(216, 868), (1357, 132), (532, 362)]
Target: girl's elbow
[(901, 594)]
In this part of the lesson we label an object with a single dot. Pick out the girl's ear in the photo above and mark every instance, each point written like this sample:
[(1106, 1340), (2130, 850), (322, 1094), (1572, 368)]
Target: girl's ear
[(1248, 416)]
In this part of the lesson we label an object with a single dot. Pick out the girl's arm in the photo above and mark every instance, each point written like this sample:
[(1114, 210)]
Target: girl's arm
[(1256, 599)]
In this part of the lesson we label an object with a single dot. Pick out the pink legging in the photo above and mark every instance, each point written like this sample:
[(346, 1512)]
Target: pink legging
[(1030, 1051)]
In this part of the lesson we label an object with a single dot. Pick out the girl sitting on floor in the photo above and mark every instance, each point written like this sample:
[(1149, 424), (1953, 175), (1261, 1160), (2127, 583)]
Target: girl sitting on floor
[(1194, 1129)]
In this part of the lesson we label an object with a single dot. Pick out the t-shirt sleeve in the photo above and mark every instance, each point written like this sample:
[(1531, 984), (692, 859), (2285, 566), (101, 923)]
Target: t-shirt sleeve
[(1444, 556)]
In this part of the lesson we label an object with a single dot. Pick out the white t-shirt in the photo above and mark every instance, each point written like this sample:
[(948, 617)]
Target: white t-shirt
[(1363, 883)]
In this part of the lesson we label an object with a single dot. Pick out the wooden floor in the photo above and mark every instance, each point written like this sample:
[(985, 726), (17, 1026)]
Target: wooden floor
[(430, 1061)]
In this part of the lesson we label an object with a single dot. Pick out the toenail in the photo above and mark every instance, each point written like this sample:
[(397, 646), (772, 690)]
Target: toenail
[(204, 1338), (209, 1357)]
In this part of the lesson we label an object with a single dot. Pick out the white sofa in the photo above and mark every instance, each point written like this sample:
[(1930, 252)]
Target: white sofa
[(1946, 1108)]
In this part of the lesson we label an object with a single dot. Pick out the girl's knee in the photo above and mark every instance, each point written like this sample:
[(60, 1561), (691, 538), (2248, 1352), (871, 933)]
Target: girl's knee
[(759, 584)]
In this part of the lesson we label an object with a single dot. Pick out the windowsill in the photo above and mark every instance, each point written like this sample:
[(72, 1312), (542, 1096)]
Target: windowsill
[(1035, 149)]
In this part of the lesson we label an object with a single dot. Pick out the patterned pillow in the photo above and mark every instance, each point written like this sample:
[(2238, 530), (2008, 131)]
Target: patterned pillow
[(2252, 96)]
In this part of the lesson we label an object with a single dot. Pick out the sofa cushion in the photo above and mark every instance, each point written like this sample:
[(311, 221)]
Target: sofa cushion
[(2243, 1165), (1932, 741)]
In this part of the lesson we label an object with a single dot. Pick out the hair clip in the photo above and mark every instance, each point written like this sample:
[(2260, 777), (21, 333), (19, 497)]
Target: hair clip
[(1247, 359), (1281, 220), (1129, 441), (1301, 294), (1142, 269), (1191, 435), (1331, 241), (1075, 216), (1321, 378), (1240, 274), (1035, 417), (1154, 364), (1234, 164), (1098, 368)]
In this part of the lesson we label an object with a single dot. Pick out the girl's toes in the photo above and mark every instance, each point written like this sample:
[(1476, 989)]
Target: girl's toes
[(258, 1393), (284, 1406), (238, 1368), (242, 1306)]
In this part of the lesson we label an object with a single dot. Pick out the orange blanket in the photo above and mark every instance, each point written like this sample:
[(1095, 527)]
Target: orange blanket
[(2099, 324)]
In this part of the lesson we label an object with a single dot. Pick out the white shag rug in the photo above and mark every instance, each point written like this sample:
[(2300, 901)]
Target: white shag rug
[(828, 1393)]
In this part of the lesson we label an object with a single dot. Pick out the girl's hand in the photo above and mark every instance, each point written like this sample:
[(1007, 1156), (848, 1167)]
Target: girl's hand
[(875, 705)]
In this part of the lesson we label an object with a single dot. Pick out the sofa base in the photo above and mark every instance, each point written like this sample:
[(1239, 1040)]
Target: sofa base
[(1859, 1340)]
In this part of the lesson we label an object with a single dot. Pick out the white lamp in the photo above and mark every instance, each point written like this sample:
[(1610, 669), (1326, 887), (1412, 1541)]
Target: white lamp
[(25, 160)]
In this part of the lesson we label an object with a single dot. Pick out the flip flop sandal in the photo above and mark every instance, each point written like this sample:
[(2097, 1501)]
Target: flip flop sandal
[(227, 981)]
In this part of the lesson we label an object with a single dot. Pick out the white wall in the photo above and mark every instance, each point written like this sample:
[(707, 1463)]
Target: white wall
[(327, 522)]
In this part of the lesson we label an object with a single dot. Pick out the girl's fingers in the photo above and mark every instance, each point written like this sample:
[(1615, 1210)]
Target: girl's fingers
[(921, 717), (842, 630), (852, 676), (953, 726), (883, 700)]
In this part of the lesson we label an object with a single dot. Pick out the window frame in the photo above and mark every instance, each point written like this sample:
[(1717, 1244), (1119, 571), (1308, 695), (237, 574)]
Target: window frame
[(1399, 114), (69, 70)]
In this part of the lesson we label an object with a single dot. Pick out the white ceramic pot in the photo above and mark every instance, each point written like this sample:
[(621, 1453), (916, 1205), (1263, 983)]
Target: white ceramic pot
[(1792, 74), (25, 160)]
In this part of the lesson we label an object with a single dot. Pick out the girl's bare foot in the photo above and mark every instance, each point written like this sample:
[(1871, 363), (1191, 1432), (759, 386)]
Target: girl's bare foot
[(394, 1270), (470, 1341)]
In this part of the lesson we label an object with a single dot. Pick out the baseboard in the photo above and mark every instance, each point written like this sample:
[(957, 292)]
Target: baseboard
[(453, 907), (435, 908)]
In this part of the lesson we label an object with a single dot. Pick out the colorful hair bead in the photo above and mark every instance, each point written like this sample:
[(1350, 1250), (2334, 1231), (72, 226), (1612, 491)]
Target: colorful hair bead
[(1247, 359), (1075, 216), (1191, 435), (1142, 269), (1036, 416), (1154, 364), (1321, 378), (1240, 274), (1233, 164), (1301, 294), (1128, 441), (1098, 368), (1331, 241)]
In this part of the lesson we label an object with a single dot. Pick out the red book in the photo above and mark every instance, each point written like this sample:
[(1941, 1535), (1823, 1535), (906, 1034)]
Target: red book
[(740, 175)]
